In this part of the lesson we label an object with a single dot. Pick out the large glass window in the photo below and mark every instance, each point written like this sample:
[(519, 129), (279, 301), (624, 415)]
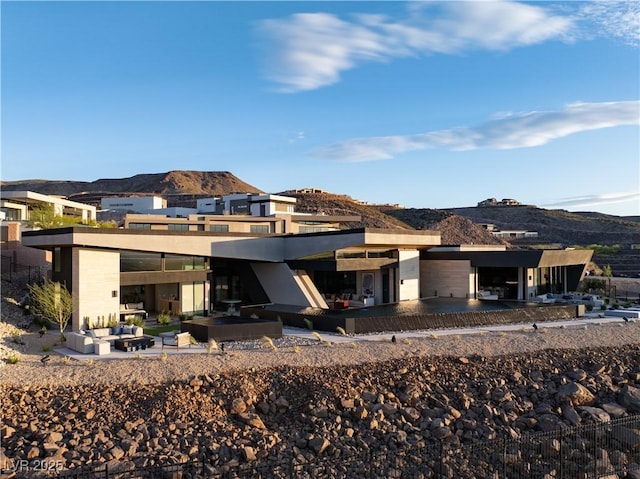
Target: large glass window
[(259, 228), (219, 228), (177, 227), (136, 261), (139, 226), (314, 229), (174, 262)]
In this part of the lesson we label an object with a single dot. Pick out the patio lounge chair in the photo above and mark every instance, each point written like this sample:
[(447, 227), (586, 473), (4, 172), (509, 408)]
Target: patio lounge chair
[(179, 340)]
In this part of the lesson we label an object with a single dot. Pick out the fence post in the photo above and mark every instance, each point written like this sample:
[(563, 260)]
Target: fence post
[(561, 472), (595, 451), (504, 459)]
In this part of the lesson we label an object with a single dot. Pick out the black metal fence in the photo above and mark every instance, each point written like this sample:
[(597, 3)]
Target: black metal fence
[(596, 450), (20, 273)]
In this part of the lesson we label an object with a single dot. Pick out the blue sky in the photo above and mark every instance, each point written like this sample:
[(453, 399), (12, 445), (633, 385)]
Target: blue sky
[(424, 104)]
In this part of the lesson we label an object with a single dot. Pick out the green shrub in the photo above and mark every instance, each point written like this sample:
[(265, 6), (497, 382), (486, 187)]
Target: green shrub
[(135, 321), (164, 318), (589, 307), (113, 321), (13, 358), (46, 348), (603, 307)]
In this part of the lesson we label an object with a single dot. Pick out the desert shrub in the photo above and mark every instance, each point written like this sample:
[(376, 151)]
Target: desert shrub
[(164, 318), (135, 321), (13, 358), (592, 283), (113, 321)]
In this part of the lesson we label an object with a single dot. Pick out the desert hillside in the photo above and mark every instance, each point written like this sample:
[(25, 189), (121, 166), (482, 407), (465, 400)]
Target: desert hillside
[(210, 183), (557, 226)]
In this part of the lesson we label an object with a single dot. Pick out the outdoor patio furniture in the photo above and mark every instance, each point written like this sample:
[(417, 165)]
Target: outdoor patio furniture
[(130, 310), (101, 347), (134, 344), (80, 343), (179, 340)]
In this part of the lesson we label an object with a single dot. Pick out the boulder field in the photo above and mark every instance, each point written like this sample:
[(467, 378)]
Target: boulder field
[(285, 415)]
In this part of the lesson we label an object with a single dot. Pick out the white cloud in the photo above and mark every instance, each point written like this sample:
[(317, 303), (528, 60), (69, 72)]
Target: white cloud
[(310, 50), (616, 19), (595, 200), (508, 131)]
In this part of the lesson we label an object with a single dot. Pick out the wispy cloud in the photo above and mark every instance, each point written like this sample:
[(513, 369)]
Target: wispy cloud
[(296, 137), (507, 131), (310, 50), (306, 51), (595, 200), (614, 19)]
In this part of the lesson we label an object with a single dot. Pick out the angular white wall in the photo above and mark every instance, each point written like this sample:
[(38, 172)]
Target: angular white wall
[(408, 274), (96, 275), (280, 284)]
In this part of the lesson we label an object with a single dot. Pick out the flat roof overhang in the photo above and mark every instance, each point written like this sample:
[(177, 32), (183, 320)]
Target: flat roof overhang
[(514, 259), (346, 264), (249, 246)]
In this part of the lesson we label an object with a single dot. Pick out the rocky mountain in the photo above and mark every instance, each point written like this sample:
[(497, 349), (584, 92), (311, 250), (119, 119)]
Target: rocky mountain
[(454, 229), (557, 226), (207, 183)]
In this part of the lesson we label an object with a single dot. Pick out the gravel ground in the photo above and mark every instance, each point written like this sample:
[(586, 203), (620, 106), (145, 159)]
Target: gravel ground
[(157, 369), (288, 351)]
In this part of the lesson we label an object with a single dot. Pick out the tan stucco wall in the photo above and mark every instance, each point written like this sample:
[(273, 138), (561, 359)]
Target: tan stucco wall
[(447, 277), (96, 274), (408, 274)]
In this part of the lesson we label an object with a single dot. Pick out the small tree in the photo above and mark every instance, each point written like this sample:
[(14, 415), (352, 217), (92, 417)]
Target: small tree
[(608, 272), (53, 302), (44, 216)]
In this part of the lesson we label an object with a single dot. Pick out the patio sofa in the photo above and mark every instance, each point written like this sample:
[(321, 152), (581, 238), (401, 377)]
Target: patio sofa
[(83, 341), (128, 310)]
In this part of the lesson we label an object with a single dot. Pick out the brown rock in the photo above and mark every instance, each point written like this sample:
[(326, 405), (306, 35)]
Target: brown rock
[(630, 398), (576, 393), (249, 453), (252, 420), (319, 444), (33, 453), (116, 452), (238, 406)]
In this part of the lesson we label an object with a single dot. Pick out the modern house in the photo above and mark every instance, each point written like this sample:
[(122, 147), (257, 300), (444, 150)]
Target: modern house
[(16, 208), (137, 204), (195, 271), (255, 249)]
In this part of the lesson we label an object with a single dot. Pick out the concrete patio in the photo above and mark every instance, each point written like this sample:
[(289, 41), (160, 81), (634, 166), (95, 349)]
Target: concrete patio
[(307, 337)]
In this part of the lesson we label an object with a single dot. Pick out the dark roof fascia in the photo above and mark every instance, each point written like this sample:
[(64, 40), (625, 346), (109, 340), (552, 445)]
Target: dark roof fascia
[(326, 218), (529, 259), (523, 259), (137, 232), (342, 264)]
